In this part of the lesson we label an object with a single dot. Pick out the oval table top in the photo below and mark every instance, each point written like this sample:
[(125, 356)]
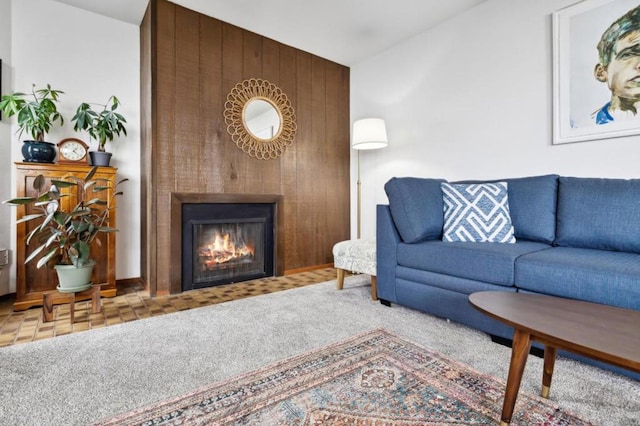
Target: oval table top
[(603, 332)]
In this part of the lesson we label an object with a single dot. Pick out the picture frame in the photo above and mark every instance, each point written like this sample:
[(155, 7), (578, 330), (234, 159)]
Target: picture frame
[(581, 96)]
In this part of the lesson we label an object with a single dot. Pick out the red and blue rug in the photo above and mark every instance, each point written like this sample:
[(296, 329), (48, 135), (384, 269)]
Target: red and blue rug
[(375, 378)]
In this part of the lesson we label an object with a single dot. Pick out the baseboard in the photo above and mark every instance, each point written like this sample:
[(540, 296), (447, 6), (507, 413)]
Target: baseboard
[(308, 268)]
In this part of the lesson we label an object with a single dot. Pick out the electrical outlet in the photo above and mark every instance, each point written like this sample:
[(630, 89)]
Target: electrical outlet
[(4, 257)]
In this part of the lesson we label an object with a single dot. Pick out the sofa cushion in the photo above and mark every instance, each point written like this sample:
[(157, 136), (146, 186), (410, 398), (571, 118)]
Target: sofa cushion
[(599, 276), (599, 213), (488, 262), (477, 212), (416, 207), (532, 204)]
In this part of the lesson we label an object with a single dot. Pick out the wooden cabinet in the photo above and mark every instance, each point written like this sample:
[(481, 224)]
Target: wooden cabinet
[(32, 282)]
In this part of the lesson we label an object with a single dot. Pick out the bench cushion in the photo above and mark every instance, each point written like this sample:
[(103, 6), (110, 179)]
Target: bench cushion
[(608, 277), (355, 255), (488, 262)]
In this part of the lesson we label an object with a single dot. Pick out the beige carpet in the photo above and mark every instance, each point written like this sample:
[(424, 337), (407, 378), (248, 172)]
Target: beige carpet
[(85, 377)]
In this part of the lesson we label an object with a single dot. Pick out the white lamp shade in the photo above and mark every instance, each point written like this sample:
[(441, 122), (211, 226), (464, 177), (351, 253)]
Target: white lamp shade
[(369, 133)]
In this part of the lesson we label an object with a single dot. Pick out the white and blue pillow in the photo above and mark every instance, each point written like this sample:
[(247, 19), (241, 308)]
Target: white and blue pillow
[(477, 212)]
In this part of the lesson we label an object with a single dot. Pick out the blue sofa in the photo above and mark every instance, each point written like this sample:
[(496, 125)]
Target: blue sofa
[(577, 238)]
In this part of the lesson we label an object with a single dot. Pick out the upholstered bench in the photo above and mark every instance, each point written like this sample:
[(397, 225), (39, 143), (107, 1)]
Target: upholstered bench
[(356, 256)]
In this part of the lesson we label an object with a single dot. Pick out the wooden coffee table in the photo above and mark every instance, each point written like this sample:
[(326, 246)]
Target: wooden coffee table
[(601, 332)]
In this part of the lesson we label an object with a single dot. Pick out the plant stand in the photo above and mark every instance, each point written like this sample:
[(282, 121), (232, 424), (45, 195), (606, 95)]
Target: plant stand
[(55, 297)]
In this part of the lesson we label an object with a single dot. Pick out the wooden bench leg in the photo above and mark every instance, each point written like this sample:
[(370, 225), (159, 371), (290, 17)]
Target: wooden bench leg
[(72, 307), (374, 288), (47, 306), (96, 304), (340, 278)]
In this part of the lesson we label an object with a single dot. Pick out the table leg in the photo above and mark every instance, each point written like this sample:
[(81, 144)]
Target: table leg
[(549, 361), (519, 353)]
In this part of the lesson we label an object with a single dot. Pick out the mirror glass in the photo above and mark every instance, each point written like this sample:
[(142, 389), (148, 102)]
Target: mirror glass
[(261, 119)]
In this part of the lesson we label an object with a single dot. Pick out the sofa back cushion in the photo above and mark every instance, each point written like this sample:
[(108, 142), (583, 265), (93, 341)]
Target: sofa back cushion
[(532, 205), (416, 208), (599, 213)]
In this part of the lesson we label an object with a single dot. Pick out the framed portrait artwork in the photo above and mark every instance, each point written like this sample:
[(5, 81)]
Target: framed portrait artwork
[(596, 70)]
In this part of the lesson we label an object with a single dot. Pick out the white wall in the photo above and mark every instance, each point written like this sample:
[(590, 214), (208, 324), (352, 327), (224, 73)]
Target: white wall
[(5, 140), (89, 57), (472, 98)]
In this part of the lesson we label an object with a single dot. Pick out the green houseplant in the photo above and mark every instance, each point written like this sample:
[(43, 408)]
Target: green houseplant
[(36, 113), (64, 236), (102, 125)]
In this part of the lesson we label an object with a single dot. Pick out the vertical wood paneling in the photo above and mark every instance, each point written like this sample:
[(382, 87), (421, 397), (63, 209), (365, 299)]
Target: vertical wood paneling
[(306, 159), (252, 170), (211, 173), (319, 149), (289, 164), (163, 164), (231, 75), (146, 137), (271, 170), (195, 61), (337, 143), (188, 132)]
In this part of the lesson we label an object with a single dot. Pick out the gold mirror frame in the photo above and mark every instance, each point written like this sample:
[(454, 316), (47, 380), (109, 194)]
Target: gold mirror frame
[(237, 99)]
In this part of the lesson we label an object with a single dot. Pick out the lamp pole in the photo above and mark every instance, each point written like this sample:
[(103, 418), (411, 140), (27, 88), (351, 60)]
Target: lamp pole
[(359, 184)]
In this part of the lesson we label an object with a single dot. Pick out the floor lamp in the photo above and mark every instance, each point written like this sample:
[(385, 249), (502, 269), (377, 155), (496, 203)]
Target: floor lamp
[(368, 133)]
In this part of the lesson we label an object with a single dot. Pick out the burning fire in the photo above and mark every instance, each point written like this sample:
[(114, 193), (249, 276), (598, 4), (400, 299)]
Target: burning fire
[(223, 249)]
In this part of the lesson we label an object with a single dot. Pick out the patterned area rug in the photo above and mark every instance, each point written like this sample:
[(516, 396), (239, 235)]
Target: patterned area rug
[(374, 378)]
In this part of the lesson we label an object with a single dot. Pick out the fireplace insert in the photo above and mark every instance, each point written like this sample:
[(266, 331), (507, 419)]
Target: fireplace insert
[(224, 243)]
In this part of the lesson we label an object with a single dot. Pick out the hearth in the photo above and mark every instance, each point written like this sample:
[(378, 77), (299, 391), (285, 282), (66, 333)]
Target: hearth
[(226, 238)]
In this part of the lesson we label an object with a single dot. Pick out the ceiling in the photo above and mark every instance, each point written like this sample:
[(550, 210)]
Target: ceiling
[(344, 31)]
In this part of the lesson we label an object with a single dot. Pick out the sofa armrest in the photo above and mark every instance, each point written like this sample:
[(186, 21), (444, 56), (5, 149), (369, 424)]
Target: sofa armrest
[(387, 240)]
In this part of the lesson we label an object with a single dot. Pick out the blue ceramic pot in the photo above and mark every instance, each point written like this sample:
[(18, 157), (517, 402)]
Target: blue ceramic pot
[(38, 152)]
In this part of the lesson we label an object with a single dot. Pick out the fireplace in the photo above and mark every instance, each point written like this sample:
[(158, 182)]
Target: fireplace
[(226, 238)]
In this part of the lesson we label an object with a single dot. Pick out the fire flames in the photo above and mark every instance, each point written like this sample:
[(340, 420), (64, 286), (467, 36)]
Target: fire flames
[(223, 249)]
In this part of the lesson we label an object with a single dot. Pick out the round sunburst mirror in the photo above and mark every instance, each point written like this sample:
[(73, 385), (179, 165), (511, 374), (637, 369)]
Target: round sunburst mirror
[(260, 118)]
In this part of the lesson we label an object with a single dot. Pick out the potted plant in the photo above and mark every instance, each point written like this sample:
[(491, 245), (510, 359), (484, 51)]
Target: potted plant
[(64, 238), (36, 112), (102, 126)]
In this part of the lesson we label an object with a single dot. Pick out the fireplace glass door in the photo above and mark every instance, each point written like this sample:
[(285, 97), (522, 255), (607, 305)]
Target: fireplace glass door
[(227, 250), (224, 243)]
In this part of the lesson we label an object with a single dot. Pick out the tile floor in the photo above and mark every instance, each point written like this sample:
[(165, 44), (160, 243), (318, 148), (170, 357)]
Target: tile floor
[(130, 305)]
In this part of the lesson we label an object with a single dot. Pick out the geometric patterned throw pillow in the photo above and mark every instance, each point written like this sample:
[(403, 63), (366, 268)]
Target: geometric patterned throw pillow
[(477, 212)]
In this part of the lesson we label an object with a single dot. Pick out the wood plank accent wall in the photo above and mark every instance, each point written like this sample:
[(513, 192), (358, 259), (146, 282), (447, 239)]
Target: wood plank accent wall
[(190, 62)]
